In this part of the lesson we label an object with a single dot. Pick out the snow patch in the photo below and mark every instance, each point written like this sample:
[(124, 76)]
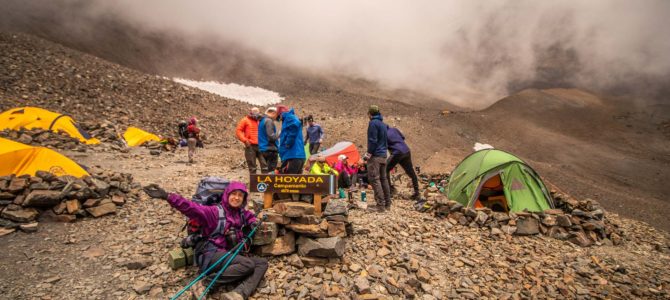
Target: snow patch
[(479, 146), (249, 94)]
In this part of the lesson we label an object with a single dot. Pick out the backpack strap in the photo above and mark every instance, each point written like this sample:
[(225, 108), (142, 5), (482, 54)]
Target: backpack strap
[(221, 225)]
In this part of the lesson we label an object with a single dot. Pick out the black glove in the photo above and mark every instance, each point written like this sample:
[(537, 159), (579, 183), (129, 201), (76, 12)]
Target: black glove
[(155, 191)]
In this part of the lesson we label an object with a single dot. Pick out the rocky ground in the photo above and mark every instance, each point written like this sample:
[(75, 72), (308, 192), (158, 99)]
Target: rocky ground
[(399, 254)]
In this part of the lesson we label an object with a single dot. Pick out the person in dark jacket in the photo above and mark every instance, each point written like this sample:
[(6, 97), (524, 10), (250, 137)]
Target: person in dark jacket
[(376, 159), (400, 154), (268, 139), (291, 142), (314, 135), (248, 271)]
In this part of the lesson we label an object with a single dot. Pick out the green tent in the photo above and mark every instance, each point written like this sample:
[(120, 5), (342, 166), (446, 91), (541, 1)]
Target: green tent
[(517, 184)]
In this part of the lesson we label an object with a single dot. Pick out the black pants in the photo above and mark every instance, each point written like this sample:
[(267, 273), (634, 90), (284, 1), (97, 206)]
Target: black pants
[(344, 180), (248, 271), (405, 161), (271, 159), (314, 148), (252, 153), (292, 166)]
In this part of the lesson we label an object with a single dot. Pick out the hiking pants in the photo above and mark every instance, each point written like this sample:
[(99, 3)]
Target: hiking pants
[(405, 161), (248, 271), (314, 148), (378, 179), (344, 180), (292, 166), (252, 153), (191, 142), (271, 158)]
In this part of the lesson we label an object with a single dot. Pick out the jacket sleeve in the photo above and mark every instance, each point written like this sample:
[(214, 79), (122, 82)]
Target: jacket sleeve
[(292, 130), (249, 216), (188, 208), (372, 138), (239, 131), (321, 133), (269, 132)]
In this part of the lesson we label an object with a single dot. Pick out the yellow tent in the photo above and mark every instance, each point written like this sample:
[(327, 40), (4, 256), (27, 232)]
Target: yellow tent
[(136, 137), (20, 159), (33, 117)]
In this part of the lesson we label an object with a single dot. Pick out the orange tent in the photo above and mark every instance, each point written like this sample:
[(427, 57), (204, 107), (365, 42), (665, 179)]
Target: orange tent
[(346, 148)]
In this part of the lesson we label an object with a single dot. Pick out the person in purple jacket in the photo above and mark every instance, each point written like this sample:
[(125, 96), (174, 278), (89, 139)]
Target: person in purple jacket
[(217, 241), (400, 154)]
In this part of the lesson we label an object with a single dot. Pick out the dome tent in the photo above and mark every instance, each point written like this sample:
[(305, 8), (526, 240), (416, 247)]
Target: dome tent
[(21, 159), (136, 137), (346, 148), (519, 187), (34, 117)]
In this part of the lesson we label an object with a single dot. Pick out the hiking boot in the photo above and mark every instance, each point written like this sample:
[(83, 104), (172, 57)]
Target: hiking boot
[(377, 209), (197, 290), (232, 295)]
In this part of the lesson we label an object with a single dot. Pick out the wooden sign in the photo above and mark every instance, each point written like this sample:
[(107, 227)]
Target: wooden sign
[(293, 183), (316, 185)]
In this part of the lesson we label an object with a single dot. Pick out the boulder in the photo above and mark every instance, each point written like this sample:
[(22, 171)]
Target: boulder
[(549, 220), (46, 176), (8, 224), (30, 227), (119, 200), (43, 198), (265, 234), (17, 184), (580, 238), (481, 217), (336, 207), (92, 203), (557, 232), (362, 285), (527, 226), (309, 220), (337, 218), (309, 229), (563, 221), (323, 247), (501, 217), (553, 211), (337, 229), (18, 214), (280, 246), (275, 217), (72, 206), (100, 187), (294, 209), (103, 209)]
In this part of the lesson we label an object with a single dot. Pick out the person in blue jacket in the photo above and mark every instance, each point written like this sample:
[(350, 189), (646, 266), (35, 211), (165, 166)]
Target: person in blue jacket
[(268, 139), (376, 159), (291, 142), (400, 154)]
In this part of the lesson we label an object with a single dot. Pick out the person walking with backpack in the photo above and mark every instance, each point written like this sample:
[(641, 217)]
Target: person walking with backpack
[(268, 139), (291, 142), (376, 159), (222, 229), (401, 154), (193, 134), (314, 135), (247, 133)]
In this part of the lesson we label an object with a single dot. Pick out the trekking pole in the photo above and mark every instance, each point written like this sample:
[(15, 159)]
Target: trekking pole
[(203, 274), (218, 274)]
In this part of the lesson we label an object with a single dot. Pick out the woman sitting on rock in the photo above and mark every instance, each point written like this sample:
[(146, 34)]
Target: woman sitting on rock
[(220, 237)]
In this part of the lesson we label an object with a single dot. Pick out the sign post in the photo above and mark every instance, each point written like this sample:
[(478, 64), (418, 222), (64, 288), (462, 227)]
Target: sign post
[(316, 185)]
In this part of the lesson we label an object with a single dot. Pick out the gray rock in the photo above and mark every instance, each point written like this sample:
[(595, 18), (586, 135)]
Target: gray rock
[(43, 198), (527, 226), (362, 285), (323, 247), (336, 207), (265, 234)]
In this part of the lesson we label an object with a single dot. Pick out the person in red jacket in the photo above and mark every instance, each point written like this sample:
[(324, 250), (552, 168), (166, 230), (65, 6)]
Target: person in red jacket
[(247, 133), (193, 134)]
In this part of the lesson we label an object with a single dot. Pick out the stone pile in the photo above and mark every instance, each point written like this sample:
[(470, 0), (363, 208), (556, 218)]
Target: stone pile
[(44, 138), (105, 131), (581, 222), (293, 227), (25, 198)]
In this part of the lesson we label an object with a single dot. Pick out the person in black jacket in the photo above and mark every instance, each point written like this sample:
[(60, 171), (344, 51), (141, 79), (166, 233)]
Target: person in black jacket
[(376, 159)]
